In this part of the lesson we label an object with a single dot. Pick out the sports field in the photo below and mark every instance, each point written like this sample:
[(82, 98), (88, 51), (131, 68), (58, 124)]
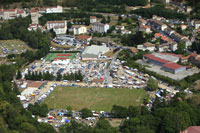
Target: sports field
[(93, 98), (56, 56)]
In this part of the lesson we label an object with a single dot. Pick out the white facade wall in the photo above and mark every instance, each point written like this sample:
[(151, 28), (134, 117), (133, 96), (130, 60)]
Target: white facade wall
[(102, 28), (79, 30), (34, 17), (58, 9), (150, 48), (163, 27), (93, 20), (59, 27), (197, 26)]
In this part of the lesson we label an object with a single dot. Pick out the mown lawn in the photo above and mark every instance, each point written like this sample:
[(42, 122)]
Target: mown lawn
[(93, 98)]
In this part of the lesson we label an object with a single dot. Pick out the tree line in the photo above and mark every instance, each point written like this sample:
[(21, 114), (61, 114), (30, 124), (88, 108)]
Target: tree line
[(159, 10), (37, 76)]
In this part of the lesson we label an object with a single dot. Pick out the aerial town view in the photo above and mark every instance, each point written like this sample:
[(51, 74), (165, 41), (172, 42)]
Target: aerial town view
[(99, 66)]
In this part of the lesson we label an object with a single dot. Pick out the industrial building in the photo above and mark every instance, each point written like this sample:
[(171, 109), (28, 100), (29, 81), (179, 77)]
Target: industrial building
[(94, 52), (167, 61)]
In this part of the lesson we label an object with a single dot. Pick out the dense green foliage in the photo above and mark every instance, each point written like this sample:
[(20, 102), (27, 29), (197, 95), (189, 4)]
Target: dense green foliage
[(102, 126), (86, 113), (152, 85), (38, 109), (133, 39), (172, 117), (74, 76), (39, 76), (13, 117), (159, 11), (196, 47)]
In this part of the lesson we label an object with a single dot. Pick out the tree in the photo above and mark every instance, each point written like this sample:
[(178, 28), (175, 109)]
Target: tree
[(86, 113), (69, 109), (119, 111), (19, 75), (181, 48), (46, 128), (152, 84), (27, 127), (103, 20), (132, 111), (59, 77), (108, 19)]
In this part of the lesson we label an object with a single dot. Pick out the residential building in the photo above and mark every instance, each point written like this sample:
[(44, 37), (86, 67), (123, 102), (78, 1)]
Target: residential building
[(133, 51), (42, 10), (9, 14), (119, 27), (85, 38), (34, 16), (163, 47), (142, 21), (1, 13), (157, 24), (147, 46), (177, 37), (145, 28), (54, 9), (93, 19), (197, 24), (12, 13), (99, 27), (155, 17), (167, 1), (34, 27), (185, 59), (188, 9), (94, 52), (123, 32), (187, 42), (59, 27), (173, 46), (183, 27), (79, 29), (195, 59)]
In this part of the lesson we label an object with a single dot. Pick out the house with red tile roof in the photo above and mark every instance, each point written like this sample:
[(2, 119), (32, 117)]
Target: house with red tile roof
[(145, 28), (192, 129), (93, 19), (84, 38), (194, 59), (12, 13), (157, 24)]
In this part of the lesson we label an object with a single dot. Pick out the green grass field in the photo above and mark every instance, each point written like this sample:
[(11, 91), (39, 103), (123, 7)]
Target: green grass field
[(12, 45), (51, 56), (93, 98)]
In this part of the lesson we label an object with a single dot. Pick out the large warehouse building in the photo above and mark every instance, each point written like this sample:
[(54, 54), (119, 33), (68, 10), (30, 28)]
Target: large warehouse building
[(168, 62), (93, 52)]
